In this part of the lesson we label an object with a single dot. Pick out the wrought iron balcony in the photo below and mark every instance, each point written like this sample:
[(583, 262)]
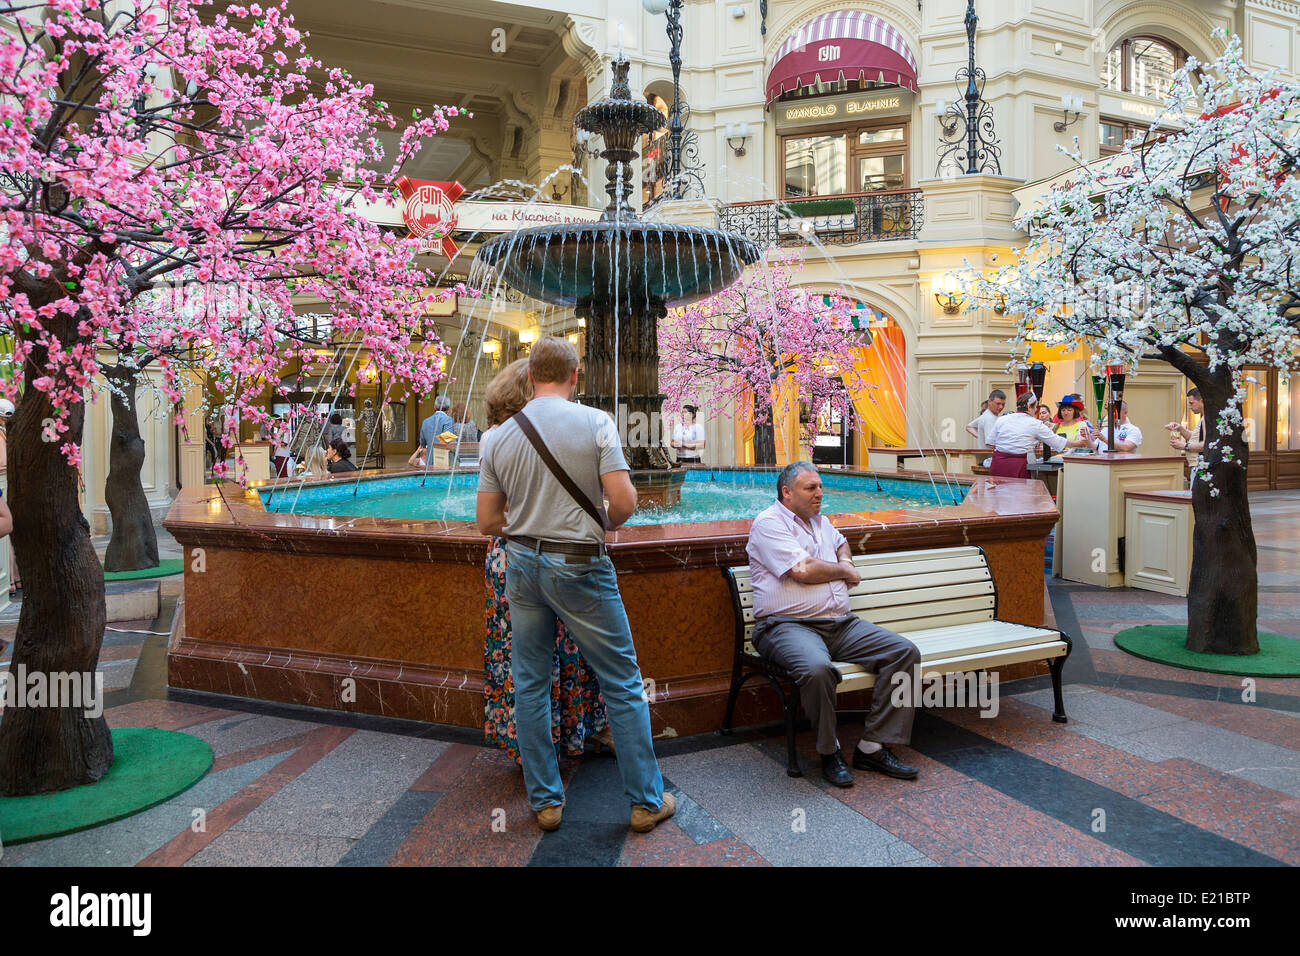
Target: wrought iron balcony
[(832, 220)]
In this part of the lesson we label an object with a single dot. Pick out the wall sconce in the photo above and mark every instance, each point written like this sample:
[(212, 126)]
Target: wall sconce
[(586, 142), (582, 323), (948, 122), (491, 347), (1070, 103), (527, 337), (557, 191), (946, 294), (737, 131), (573, 339)]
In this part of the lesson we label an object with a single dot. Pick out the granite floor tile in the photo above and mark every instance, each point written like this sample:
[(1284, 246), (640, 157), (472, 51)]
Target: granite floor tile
[(484, 820), (238, 848), (240, 731), (342, 795), (789, 821)]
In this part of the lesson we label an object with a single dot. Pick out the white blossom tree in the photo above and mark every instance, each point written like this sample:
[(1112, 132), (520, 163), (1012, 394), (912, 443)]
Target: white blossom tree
[(1189, 255)]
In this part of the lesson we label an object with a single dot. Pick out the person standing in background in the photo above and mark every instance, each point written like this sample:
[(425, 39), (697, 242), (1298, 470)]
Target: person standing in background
[(980, 426), (1185, 439), (688, 438)]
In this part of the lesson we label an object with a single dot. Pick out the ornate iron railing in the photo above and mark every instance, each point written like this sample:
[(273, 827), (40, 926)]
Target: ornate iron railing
[(876, 216)]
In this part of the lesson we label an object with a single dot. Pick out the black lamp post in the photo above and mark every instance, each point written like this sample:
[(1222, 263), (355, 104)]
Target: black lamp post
[(968, 136), (674, 10)]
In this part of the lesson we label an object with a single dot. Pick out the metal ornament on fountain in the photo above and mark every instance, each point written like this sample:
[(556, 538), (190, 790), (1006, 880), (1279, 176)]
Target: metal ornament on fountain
[(622, 275)]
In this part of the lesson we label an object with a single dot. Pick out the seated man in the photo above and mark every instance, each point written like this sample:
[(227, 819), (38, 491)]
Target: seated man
[(802, 570)]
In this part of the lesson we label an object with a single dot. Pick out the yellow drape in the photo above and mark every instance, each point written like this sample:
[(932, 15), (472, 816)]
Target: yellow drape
[(745, 427), (785, 420), (880, 393), (784, 416)]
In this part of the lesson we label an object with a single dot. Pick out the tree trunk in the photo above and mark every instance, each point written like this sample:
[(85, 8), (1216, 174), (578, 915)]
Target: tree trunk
[(134, 544), (1223, 596), (764, 444), (51, 745)]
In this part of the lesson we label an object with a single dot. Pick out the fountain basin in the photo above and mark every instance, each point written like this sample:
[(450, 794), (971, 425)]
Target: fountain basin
[(386, 615), (633, 267)]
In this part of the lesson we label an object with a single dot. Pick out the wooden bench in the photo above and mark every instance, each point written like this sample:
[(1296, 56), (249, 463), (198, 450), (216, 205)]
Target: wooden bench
[(943, 600)]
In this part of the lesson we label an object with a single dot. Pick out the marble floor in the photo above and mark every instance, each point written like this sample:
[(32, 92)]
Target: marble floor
[(1157, 766)]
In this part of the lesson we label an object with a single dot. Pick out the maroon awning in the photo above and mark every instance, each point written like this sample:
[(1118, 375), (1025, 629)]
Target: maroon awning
[(843, 45)]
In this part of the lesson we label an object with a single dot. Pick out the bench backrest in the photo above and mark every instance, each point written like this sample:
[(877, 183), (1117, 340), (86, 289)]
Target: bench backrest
[(900, 590)]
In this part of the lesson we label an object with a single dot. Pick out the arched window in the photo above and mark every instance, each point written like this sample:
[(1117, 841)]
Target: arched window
[(1142, 65)]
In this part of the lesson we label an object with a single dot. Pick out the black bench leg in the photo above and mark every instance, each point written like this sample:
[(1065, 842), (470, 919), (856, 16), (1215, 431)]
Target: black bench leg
[(732, 696), (791, 703), (1056, 664)]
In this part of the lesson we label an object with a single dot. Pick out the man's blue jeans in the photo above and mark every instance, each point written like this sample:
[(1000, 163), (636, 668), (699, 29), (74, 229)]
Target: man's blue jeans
[(540, 585)]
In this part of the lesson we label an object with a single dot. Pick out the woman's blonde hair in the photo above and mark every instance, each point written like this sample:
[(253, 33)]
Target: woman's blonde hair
[(508, 392), (316, 462)]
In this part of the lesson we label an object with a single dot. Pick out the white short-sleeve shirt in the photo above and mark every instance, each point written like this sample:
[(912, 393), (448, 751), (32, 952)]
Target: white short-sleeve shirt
[(778, 540)]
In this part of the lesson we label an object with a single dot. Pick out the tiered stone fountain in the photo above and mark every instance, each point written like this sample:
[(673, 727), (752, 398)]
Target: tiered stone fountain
[(622, 275)]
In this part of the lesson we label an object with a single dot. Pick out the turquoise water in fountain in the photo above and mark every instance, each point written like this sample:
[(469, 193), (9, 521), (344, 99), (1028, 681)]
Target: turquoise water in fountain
[(707, 495)]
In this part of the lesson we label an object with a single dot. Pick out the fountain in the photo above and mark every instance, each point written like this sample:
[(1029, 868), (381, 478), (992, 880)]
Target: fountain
[(365, 593), (622, 275)]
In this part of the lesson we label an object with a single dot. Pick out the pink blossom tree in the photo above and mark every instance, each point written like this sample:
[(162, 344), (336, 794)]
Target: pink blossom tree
[(760, 337), (146, 148)]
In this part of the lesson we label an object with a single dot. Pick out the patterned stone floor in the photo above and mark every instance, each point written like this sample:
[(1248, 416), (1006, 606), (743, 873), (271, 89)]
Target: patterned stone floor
[(1157, 766)]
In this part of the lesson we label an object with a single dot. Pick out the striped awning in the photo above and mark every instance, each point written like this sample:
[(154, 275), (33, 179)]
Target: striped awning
[(843, 45)]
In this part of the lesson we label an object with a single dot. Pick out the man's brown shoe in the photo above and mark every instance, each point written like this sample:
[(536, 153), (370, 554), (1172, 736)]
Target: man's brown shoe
[(643, 820), (548, 818)]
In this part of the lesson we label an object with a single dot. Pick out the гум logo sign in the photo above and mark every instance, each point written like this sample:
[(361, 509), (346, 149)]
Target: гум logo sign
[(430, 211)]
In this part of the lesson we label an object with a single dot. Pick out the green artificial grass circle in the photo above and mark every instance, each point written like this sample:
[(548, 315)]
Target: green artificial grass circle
[(166, 568), (149, 766), (1278, 656)]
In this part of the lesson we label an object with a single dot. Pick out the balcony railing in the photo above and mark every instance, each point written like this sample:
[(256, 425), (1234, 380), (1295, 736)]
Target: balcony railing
[(832, 220)]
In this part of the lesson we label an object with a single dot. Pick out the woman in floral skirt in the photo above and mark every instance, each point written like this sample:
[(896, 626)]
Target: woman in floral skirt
[(577, 709)]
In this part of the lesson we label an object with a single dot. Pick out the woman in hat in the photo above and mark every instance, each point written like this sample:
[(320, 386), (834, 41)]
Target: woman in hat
[(1070, 413)]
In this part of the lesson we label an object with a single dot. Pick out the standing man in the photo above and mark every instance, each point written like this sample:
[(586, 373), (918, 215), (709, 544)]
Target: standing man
[(1128, 437), (433, 426), (1182, 437), (556, 565), (980, 427), (802, 569)]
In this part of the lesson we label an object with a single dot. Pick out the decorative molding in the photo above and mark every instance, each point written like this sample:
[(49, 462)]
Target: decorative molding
[(896, 14), (1182, 22), (581, 39), (1283, 7)]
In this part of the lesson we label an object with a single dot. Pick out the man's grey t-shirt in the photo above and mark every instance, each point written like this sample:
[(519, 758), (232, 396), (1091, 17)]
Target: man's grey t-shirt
[(584, 442), (432, 427)]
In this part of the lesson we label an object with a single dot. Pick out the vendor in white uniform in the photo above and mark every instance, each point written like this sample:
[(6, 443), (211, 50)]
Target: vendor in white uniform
[(688, 437), (1014, 437)]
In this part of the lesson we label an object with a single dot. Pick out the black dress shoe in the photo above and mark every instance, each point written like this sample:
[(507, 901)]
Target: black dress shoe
[(883, 761), (835, 771)]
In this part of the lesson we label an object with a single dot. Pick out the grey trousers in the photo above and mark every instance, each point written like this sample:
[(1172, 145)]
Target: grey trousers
[(806, 647)]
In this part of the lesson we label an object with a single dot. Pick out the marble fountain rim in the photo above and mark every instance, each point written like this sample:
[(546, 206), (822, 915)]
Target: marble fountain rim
[(228, 516)]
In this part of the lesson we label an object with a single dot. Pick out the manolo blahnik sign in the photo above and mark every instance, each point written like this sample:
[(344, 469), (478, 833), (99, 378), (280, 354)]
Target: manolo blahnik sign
[(854, 106)]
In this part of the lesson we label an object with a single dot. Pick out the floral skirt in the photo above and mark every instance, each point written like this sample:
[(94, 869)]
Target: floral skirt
[(577, 709)]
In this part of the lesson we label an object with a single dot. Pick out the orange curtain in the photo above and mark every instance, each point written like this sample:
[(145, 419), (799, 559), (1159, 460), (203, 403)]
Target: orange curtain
[(879, 393), (745, 427), (785, 420)]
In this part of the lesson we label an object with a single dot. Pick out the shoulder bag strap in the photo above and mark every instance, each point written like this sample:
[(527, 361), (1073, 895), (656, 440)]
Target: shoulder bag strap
[(578, 495)]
